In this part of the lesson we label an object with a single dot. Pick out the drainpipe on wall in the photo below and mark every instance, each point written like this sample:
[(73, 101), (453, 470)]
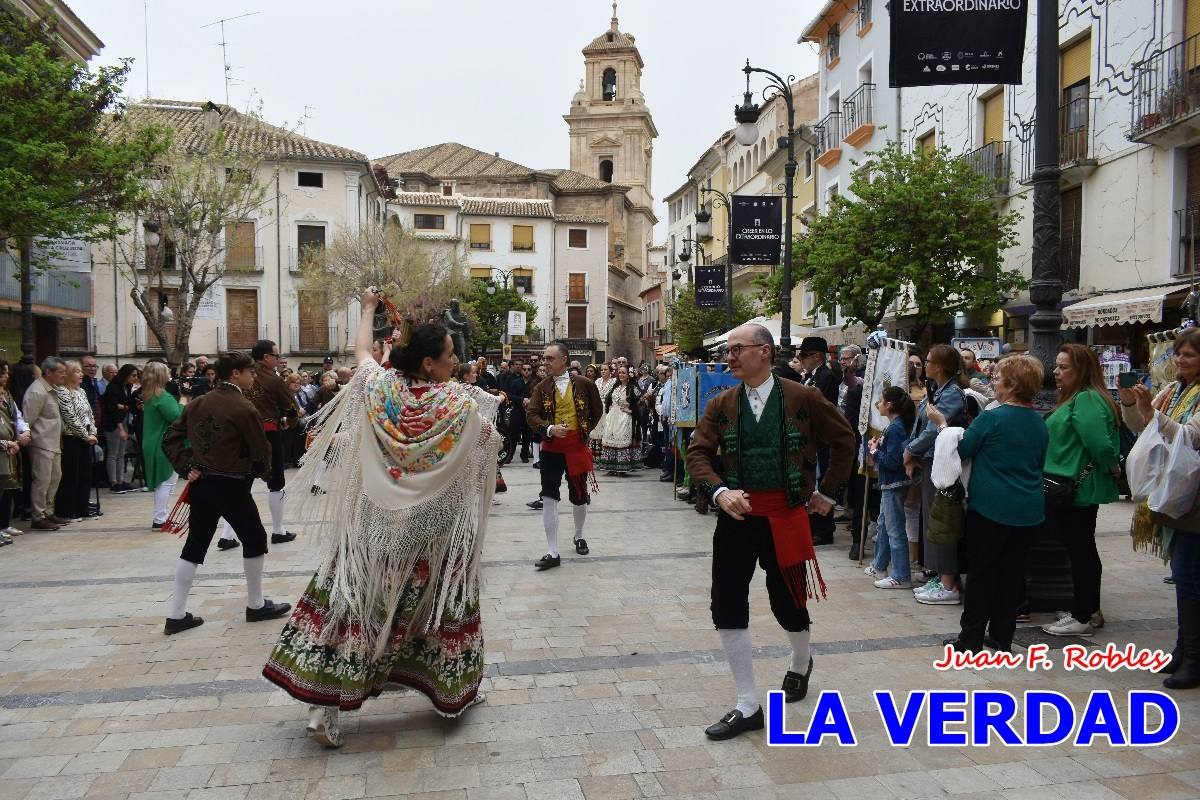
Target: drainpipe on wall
[(278, 263)]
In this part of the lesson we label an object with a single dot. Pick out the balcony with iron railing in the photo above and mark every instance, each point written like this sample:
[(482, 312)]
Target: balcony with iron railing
[(1076, 143), (993, 161), (314, 339), (858, 121), (829, 139), (247, 258), (1166, 93)]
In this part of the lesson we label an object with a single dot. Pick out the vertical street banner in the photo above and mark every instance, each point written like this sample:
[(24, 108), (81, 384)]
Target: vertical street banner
[(757, 230), (684, 400), (516, 323), (710, 286), (887, 365), (946, 42)]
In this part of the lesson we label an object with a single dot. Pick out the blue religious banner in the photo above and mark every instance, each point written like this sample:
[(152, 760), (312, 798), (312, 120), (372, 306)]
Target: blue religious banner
[(684, 400), (713, 383)]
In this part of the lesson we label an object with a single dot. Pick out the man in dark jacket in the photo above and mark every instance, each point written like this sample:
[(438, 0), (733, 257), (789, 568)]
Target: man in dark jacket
[(814, 353)]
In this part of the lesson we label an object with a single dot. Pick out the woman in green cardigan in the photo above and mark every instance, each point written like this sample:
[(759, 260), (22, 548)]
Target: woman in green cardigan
[(1084, 450), (160, 410)]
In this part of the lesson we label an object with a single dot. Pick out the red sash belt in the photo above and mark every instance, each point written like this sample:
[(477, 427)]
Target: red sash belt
[(270, 425), (579, 461), (794, 551)]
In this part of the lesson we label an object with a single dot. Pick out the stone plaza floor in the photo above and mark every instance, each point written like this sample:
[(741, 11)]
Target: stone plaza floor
[(602, 676)]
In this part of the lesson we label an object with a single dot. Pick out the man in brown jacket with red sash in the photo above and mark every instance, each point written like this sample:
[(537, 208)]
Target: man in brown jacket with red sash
[(753, 455), (563, 408)]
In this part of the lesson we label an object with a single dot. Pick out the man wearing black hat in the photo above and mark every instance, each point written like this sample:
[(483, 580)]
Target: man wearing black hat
[(814, 353)]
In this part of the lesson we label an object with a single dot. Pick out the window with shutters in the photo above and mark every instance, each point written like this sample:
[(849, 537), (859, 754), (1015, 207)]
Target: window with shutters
[(481, 273), (168, 254), (310, 240), (481, 236), (577, 287), (239, 246), (1071, 205), (927, 144), (313, 312), (577, 238), (522, 279), (993, 118), (522, 238), (429, 222), (72, 334), (577, 322)]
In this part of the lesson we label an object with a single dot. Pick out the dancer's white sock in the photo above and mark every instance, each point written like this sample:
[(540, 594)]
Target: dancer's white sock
[(537, 451), (275, 501), (254, 578), (227, 531), (185, 573), (550, 520), (739, 652), (580, 515), (800, 653), (162, 496)]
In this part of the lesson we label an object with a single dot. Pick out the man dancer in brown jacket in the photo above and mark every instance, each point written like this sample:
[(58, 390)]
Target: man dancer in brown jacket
[(219, 446), (753, 455)]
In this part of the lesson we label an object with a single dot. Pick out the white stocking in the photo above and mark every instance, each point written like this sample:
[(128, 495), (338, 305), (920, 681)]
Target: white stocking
[(254, 578), (275, 501), (550, 520), (800, 654), (580, 515), (537, 451), (227, 532), (185, 573), (739, 652)]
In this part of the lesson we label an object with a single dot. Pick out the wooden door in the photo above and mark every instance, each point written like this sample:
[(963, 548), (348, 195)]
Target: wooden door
[(241, 318), (577, 322), (314, 321)]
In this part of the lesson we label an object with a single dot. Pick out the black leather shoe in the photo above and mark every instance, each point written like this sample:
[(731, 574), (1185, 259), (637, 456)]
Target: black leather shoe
[(227, 544), (795, 685), (734, 724), (548, 562), (666, 477), (854, 552), (180, 625), (536, 505), (537, 465), (282, 538), (581, 547), (270, 610), (156, 526), (959, 647)]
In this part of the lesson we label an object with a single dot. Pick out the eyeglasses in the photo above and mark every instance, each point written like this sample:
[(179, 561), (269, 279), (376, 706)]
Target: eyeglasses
[(736, 350)]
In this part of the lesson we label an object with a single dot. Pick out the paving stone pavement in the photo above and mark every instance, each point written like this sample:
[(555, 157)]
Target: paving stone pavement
[(601, 677)]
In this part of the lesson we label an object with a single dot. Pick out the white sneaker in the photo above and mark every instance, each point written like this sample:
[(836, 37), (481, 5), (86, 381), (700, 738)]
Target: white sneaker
[(1097, 619), (13, 531), (933, 584), (891, 583), (1069, 626), (941, 596), (873, 573)]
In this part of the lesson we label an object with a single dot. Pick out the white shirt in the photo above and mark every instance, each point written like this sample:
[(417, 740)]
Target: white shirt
[(757, 396), (561, 382)]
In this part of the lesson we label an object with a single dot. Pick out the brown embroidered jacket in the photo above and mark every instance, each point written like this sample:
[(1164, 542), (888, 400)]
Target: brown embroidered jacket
[(220, 432), (588, 406)]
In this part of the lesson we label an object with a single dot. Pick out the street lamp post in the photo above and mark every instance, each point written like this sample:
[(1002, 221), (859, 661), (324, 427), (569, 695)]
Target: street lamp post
[(704, 228), (746, 134)]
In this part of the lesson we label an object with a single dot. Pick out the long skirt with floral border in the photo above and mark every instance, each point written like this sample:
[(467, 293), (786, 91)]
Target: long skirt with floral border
[(619, 452), (445, 664)]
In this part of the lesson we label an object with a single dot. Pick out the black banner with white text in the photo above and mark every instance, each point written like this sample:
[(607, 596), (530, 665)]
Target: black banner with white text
[(757, 229), (946, 42), (710, 287)]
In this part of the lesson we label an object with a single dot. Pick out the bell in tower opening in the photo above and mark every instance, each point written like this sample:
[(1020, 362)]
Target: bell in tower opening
[(610, 84)]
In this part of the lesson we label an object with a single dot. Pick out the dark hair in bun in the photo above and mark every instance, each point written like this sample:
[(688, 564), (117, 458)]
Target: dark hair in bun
[(428, 340)]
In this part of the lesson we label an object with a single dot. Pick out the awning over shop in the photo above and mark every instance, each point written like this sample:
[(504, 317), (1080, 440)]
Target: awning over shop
[(1120, 308), (664, 350)]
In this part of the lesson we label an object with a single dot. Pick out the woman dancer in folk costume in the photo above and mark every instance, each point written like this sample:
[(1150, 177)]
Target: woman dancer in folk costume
[(604, 385), (403, 467)]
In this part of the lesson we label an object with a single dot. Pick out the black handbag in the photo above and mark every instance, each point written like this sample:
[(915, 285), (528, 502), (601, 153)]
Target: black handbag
[(1060, 491)]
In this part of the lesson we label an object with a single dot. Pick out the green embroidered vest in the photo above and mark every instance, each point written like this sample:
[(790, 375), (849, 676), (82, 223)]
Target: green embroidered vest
[(762, 458)]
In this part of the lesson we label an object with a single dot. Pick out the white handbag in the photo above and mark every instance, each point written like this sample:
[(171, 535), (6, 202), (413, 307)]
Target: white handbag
[(1175, 494)]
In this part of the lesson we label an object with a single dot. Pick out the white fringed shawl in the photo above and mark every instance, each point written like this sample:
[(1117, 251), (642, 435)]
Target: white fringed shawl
[(378, 526)]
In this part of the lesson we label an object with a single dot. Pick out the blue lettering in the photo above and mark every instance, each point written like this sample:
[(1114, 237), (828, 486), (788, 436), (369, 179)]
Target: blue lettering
[(1100, 719), (829, 719), (777, 734), (1036, 703), (1138, 728), (900, 729), (940, 715), (984, 721)]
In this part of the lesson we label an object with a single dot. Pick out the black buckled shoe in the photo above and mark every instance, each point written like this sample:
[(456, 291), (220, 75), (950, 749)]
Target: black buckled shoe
[(795, 685), (734, 724), (536, 505), (188, 622), (270, 610), (282, 538), (227, 544), (548, 562), (581, 547)]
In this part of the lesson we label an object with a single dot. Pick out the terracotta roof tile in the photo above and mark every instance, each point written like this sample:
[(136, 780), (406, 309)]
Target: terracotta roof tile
[(507, 207), (452, 160), (568, 180), (580, 219), (424, 199)]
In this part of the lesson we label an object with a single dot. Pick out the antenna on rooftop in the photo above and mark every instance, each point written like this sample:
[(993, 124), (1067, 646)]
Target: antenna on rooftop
[(305, 118), (224, 46)]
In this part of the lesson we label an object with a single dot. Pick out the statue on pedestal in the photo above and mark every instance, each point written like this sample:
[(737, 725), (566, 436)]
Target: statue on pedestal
[(456, 324)]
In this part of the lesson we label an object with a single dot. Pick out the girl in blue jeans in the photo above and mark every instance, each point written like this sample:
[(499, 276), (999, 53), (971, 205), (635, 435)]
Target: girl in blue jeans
[(891, 540)]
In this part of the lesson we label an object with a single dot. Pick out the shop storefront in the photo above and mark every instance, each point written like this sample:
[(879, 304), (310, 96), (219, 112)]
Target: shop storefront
[(1118, 322)]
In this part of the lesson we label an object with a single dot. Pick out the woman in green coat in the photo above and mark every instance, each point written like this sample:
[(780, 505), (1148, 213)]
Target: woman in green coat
[(159, 410), (1084, 451)]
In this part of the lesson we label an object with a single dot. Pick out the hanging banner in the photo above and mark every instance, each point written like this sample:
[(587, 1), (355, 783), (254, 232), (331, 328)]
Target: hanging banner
[(683, 401), (710, 287), (946, 42), (757, 230), (516, 323)]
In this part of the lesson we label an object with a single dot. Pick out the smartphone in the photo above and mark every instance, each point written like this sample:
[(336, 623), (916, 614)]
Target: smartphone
[(1127, 380)]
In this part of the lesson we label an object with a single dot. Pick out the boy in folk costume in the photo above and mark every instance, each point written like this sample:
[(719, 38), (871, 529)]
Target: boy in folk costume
[(564, 409), (762, 490)]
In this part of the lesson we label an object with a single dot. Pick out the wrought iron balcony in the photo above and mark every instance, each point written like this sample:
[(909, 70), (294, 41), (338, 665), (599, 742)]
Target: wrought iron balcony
[(314, 339), (1166, 90), (858, 119), (993, 161), (829, 138), (1076, 142)]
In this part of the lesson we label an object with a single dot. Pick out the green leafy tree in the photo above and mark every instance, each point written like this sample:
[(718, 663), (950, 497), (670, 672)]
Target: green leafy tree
[(63, 173), (489, 313), (688, 323), (923, 231)]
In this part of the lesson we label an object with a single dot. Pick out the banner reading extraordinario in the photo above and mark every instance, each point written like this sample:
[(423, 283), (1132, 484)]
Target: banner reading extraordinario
[(757, 230), (943, 42), (710, 286)]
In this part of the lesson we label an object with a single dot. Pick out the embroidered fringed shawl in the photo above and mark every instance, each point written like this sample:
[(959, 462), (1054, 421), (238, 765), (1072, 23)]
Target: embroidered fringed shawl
[(399, 480)]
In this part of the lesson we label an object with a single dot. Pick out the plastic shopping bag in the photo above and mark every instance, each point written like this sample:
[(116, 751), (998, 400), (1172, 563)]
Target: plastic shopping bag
[(1146, 464), (1176, 493)]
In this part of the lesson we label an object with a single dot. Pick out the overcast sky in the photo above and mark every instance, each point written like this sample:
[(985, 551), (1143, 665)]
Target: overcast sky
[(385, 77)]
